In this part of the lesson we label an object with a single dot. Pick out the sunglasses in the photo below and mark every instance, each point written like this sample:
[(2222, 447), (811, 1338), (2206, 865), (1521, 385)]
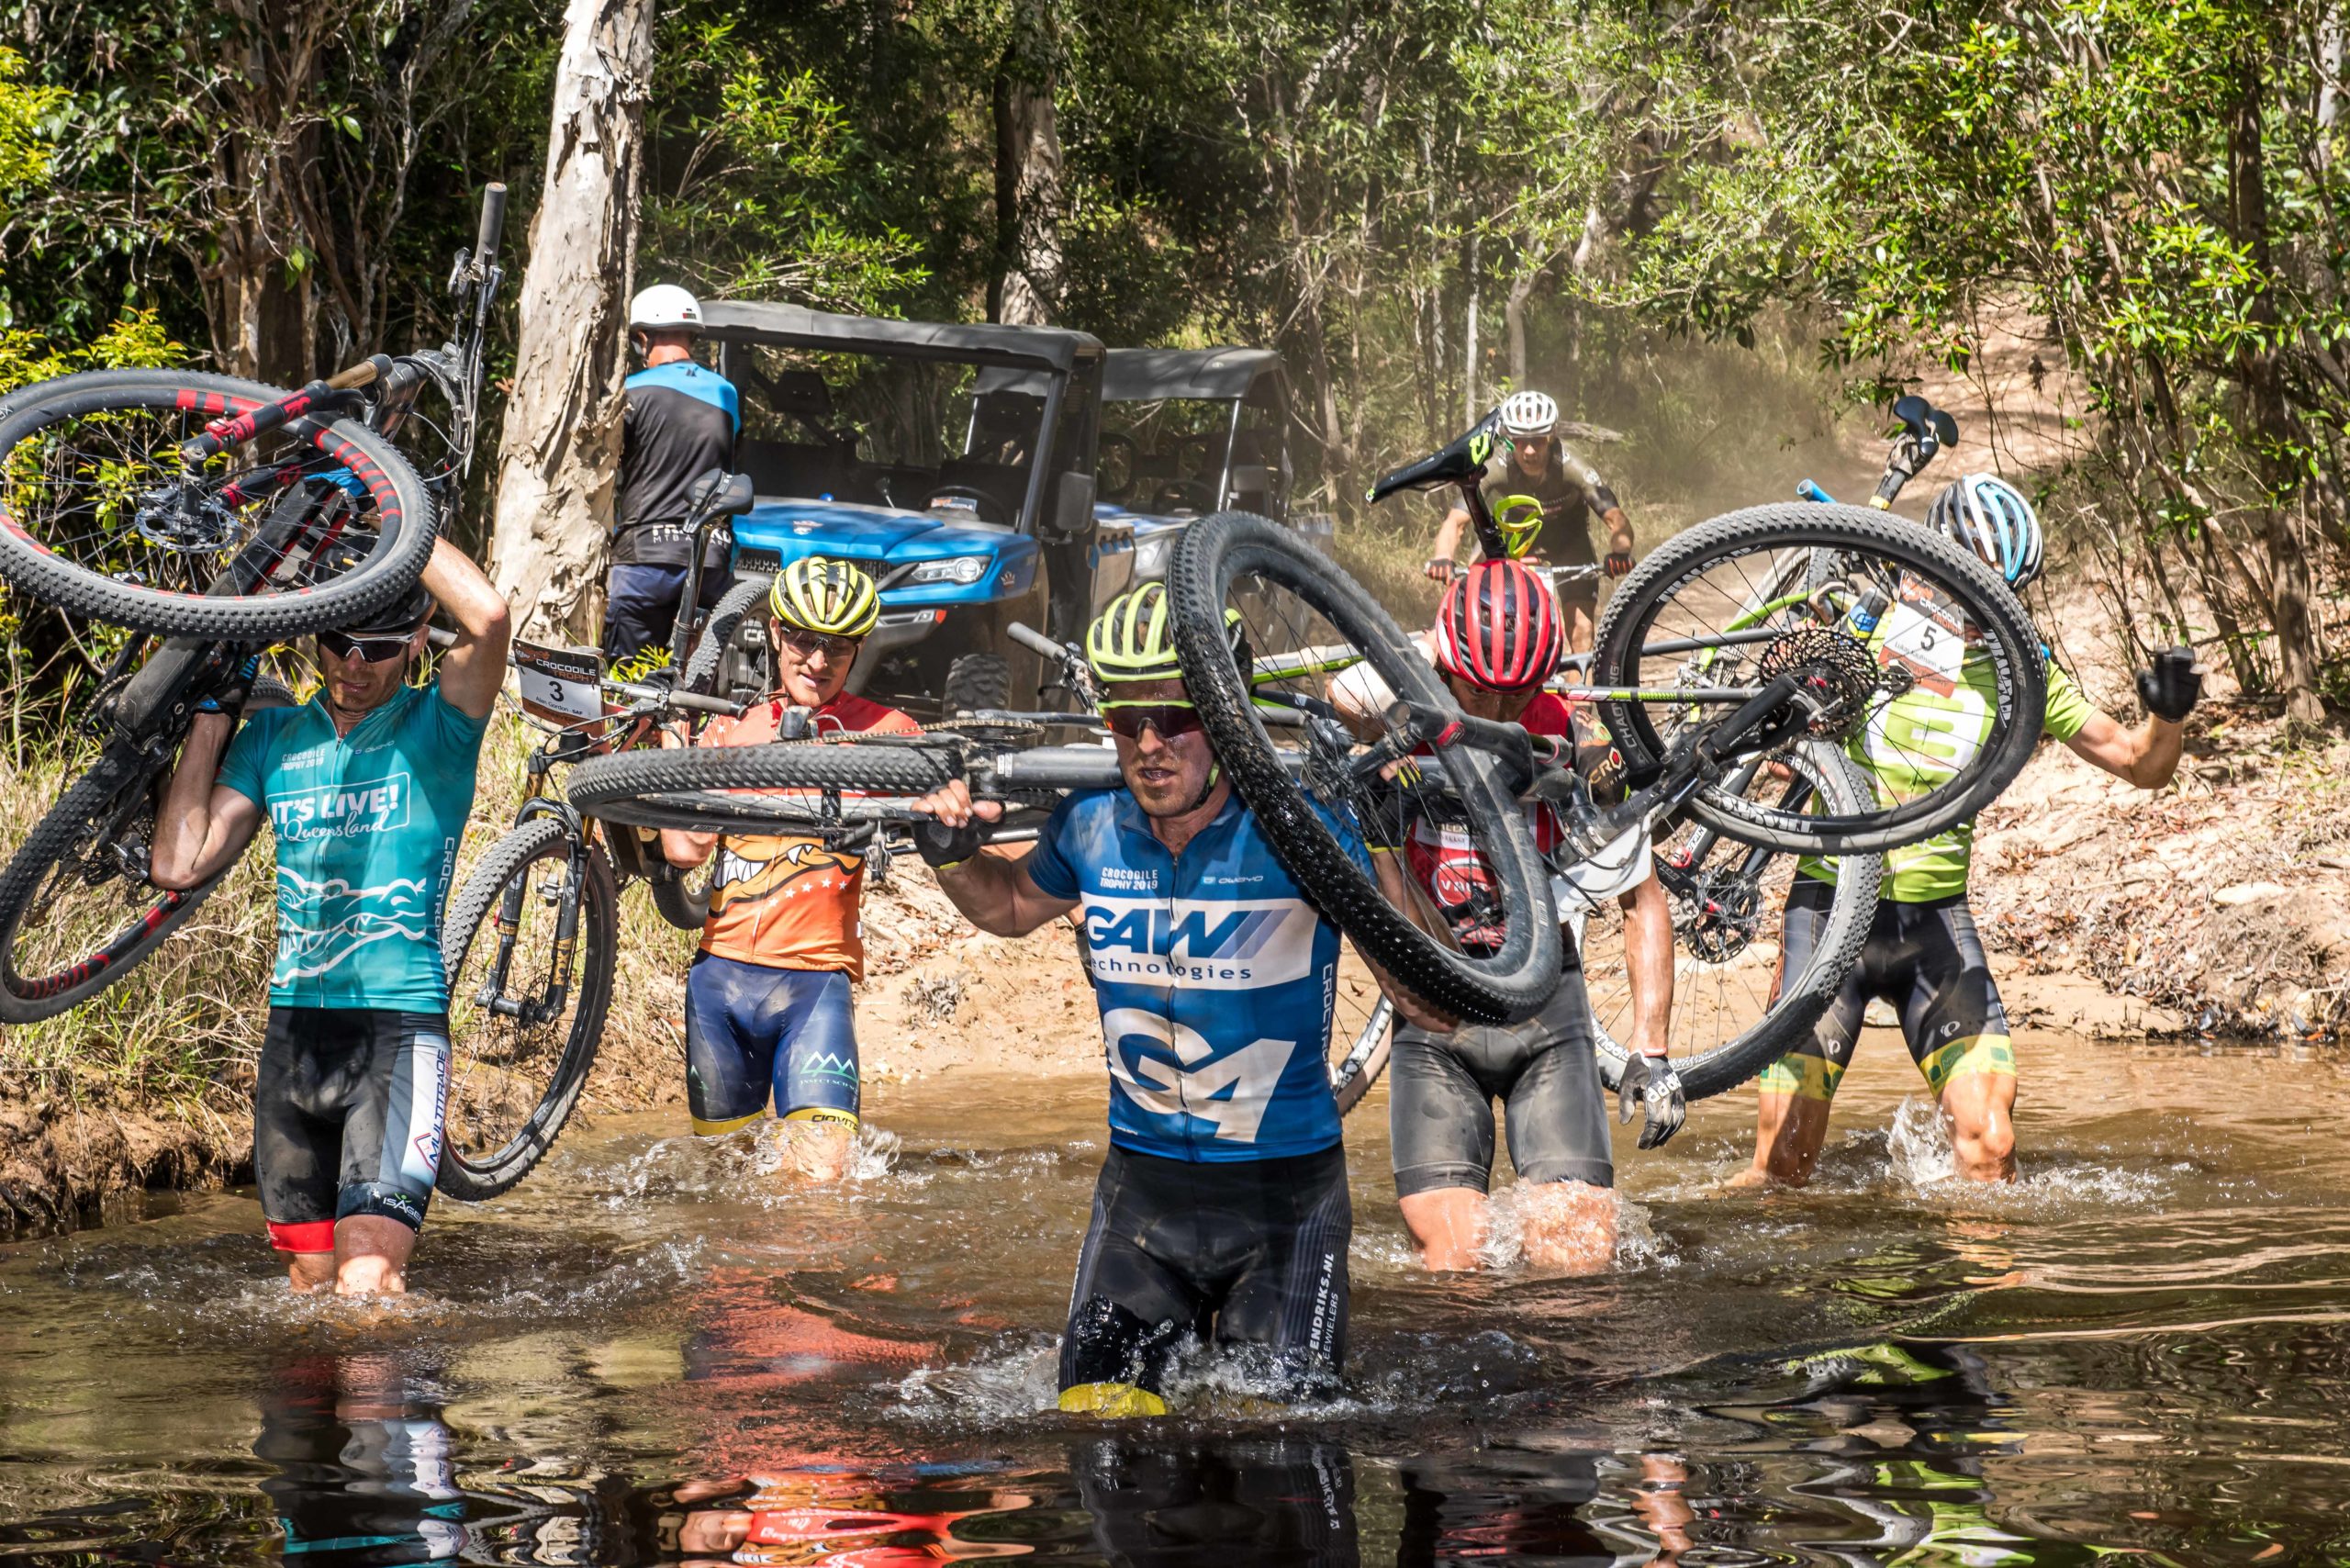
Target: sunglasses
[(1169, 719), (367, 650), (807, 644)]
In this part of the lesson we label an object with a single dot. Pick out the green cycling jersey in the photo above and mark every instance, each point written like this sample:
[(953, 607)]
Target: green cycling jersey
[(1920, 740)]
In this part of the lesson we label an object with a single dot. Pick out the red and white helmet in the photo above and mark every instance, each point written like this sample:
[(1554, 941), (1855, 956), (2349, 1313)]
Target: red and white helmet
[(1499, 628)]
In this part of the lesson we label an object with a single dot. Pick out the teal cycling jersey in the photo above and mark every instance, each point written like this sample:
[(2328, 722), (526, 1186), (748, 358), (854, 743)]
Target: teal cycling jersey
[(1215, 975), (367, 826)]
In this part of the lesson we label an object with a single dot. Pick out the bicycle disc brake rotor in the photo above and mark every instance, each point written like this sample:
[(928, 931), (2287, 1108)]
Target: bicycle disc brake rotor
[(1837, 677), (1717, 920), (169, 521)]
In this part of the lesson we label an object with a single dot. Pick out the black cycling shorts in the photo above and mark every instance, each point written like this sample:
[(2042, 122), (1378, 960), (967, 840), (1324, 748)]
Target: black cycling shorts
[(1442, 1089), (1925, 959), (1240, 1253), (347, 1109)]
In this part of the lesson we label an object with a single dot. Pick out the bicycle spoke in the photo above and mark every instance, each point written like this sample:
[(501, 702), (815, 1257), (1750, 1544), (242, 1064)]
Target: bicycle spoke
[(506, 1038), (109, 492)]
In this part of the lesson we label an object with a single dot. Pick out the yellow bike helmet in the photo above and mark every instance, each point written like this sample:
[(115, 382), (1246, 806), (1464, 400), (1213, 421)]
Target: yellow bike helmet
[(834, 599), (1519, 521), (1134, 639)]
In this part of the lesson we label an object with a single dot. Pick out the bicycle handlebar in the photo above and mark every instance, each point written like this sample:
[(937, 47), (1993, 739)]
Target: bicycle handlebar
[(692, 701), (493, 223), (1036, 642)]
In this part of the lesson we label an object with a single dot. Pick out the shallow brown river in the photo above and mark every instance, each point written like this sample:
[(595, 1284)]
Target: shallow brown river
[(656, 1351)]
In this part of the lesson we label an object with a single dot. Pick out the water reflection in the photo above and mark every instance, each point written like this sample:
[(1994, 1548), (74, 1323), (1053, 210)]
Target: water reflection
[(362, 1469)]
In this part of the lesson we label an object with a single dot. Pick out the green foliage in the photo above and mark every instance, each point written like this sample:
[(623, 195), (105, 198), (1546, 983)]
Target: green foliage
[(775, 196)]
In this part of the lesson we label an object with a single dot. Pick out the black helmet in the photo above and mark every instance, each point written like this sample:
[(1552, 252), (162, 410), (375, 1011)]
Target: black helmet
[(402, 616)]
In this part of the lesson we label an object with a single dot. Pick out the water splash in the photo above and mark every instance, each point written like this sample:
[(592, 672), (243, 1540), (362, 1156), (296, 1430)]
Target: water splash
[(1638, 1246), (1918, 1146)]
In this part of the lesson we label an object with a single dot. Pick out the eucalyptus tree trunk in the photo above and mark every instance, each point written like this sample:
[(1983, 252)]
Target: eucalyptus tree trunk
[(1028, 173), (559, 457)]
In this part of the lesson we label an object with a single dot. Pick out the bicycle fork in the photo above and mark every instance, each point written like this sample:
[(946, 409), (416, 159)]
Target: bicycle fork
[(550, 1003)]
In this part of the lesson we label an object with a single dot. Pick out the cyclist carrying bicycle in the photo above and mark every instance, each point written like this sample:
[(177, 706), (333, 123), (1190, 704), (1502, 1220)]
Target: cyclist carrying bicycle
[(768, 1010), (1222, 1210), (1497, 640), (1538, 464), (367, 788), (1923, 955)]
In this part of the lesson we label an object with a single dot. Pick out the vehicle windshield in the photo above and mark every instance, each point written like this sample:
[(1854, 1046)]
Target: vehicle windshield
[(883, 429), (1182, 454)]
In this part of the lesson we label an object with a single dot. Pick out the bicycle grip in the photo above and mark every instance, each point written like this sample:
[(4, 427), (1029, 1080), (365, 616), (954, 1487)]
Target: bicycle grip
[(366, 372), (1036, 641), (493, 222), (695, 702)]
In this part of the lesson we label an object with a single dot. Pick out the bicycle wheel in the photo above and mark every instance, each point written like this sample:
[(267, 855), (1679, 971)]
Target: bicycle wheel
[(1696, 629), (1291, 596), (1733, 1011), (1360, 1044), (747, 598), (298, 529), (75, 915), (526, 1007), (740, 788)]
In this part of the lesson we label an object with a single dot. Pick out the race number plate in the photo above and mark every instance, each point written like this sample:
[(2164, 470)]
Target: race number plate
[(559, 685), (1924, 636)]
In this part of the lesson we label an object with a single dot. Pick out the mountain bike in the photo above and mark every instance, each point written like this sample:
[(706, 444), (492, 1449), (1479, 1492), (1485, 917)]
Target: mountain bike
[(531, 939), (1709, 656), (207, 517)]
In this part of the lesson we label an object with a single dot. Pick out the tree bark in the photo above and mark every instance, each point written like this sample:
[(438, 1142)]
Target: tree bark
[(2258, 368), (560, 450), (1027, 173)]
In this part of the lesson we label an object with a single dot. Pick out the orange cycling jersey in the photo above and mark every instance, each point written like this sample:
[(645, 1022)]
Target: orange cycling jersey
[(789, 902)]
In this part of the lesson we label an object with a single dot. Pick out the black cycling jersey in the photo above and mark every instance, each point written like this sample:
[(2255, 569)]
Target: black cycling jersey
[(1570, 492), (1242, 1253), (681, 422)]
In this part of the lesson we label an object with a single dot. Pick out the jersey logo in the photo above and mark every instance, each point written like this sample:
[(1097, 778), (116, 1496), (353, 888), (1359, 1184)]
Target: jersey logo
[(762, 868), (1236, 945), (1230, 1092), (341, 810), (321, 924)]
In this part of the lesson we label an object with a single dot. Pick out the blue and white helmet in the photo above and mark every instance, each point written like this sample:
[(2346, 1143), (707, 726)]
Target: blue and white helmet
[(1991, 518)]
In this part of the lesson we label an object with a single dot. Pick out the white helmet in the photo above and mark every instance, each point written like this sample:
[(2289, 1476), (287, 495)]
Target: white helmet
[(1991, 518), (663, 307), (1528, 413)]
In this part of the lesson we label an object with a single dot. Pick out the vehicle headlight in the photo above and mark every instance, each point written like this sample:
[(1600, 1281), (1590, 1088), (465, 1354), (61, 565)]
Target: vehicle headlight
[(963, 569)]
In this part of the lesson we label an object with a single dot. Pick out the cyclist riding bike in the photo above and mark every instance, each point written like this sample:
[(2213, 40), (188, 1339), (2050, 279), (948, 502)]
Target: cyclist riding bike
[(769, 1008), (1923, 955), (367, 788), (1537, 464), (1497, 640), (1222, 1210)]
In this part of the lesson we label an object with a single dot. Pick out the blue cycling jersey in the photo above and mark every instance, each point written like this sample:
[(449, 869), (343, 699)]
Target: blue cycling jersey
[(1215, 975)]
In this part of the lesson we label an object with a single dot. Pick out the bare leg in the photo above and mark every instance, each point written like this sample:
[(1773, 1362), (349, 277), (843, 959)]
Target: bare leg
[(818, 1146), (308, 1272), (1789, 1130), (1979, 1109), (371, 1256), (1570, 1226), (1448, 1226), (1580, 629)]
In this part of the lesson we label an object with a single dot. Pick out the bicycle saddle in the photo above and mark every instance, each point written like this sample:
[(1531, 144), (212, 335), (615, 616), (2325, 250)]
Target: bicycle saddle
[(1463, 462)]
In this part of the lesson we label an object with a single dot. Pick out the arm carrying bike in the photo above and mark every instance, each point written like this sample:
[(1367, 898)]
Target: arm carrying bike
[(207, 517)]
